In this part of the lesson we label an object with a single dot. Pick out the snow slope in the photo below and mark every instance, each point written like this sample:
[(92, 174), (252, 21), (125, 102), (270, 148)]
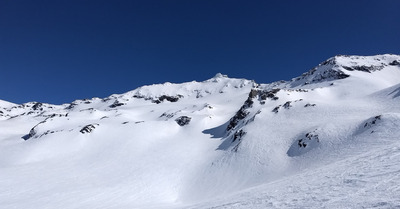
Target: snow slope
[(328, 138)]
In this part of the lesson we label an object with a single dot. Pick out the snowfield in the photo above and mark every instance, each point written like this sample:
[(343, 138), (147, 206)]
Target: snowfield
[(327, 139)]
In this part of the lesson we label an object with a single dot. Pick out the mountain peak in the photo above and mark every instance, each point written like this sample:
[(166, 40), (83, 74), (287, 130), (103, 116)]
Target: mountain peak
[(343, 66), (220, 75)]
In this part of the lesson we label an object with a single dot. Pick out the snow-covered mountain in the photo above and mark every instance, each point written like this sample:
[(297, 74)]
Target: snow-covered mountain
[(328, 138)]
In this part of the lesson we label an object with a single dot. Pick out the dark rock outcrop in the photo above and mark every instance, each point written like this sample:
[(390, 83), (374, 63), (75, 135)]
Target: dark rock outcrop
[(287, 105), (168, 98), (167, 115), (313, 76), (276, 109), (330, 75), (304, 144), (271, 94), (33, 131), (364, 68), (37, 106), (238, 135), (88, 128), (310, 105), (264, 94), (241, 114), (71, 106), (116, 104), (373, 121), (394, 63), (253, 93), (183, 120)]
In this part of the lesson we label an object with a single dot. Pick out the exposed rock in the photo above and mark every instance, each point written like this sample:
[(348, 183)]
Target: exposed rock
[(56, 115), (310, 105), (208, 106), (364, 68), (88, 128), (37, 106), (287, 105), (264, 94), (373, 121), (168, 98), (33, 131), (394, 63), (330, 74), (276, 109), (241, 114), (297, 90), (304, 144), (105, 99), (167, 115), (269, 94), (116, 104), (138, 96), (253, 93), (314, 76), (183, 120), (71, 106), (238, 135)]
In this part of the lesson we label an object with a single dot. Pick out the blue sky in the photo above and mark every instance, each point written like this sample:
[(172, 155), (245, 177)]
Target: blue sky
[(57, 51)]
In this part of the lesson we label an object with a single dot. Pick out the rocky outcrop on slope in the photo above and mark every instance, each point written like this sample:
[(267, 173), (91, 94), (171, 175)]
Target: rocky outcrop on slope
[(241, 114), (304, 144), (37, 106), (33, 132), (88, 128), (373, 121), (386, 124), (363, 68), (116, 104), (288, 105), (335, 68), (395, 63), (37, 130), (260, 95), (183, 120), (167, 98)]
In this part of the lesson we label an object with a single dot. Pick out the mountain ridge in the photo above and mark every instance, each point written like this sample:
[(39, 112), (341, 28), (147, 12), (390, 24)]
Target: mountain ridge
[(180, 145)]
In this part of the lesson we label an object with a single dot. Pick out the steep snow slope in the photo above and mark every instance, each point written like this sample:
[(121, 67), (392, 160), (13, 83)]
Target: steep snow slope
[(367, 176), (276, 127), (183, 145)]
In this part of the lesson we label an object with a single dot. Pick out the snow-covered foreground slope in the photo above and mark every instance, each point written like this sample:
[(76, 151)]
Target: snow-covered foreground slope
[(368, 178), (328, 138)]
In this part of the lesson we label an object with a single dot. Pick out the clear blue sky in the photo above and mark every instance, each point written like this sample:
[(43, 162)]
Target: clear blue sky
[(57, 51)]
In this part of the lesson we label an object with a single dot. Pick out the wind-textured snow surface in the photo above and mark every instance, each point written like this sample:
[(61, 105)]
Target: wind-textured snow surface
[(326, 139)]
